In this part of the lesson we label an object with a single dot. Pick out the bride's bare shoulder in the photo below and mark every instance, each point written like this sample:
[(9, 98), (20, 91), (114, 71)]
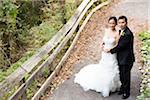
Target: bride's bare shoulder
[(106, 31), (117, 35)]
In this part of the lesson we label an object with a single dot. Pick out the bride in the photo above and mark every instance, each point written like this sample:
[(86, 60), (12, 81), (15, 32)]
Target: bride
[(104, 76)]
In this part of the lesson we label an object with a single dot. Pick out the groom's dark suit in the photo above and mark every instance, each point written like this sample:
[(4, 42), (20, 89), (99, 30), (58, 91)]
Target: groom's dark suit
[(125, 57)]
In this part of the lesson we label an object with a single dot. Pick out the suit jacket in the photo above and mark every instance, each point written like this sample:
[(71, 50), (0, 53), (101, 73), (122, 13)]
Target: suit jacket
[(124, 49)]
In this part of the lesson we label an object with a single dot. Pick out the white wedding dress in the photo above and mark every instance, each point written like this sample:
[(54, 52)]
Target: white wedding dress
[(104, 76)]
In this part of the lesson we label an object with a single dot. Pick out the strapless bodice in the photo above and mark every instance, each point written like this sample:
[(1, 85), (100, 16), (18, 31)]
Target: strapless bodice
[(109, 41)]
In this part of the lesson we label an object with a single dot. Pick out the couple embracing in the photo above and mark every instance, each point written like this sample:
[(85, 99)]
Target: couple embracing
[(113, 72)]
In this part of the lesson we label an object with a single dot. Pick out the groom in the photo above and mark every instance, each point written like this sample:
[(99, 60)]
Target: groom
[(125, 56)]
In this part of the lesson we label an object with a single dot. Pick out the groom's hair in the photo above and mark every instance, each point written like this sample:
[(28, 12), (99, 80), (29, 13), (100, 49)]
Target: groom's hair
[(123, 17)]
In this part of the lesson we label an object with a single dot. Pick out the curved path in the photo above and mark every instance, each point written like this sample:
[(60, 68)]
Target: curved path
[(87, 50)]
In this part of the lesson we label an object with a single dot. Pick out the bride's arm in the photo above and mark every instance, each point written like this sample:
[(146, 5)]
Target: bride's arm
[(104, 35)]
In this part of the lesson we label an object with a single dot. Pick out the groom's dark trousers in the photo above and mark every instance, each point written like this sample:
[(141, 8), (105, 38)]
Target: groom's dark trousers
[(125, 57), (125, 77)]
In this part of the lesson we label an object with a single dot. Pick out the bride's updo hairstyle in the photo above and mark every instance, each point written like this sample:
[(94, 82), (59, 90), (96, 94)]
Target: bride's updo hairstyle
[(113, 18)]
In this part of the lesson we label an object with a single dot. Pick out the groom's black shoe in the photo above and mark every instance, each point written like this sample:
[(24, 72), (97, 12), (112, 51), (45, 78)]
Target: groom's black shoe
[(125, 95)]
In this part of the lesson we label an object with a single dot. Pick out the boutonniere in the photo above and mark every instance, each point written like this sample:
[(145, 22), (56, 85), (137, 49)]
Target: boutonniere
[(123, 33)]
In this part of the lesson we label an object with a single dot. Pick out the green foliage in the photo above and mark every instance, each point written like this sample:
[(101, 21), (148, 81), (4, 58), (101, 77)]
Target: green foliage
[(145, 50), (70, 7), (43, 33), (8, 30), (145, 95), (8, 12), (30, 12), (26, 25), (32, 89), (103, 0), (5, 97), (46, 72), (145, 37)]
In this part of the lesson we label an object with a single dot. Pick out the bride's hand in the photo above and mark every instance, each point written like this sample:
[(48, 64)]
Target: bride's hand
[(102, 46)]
